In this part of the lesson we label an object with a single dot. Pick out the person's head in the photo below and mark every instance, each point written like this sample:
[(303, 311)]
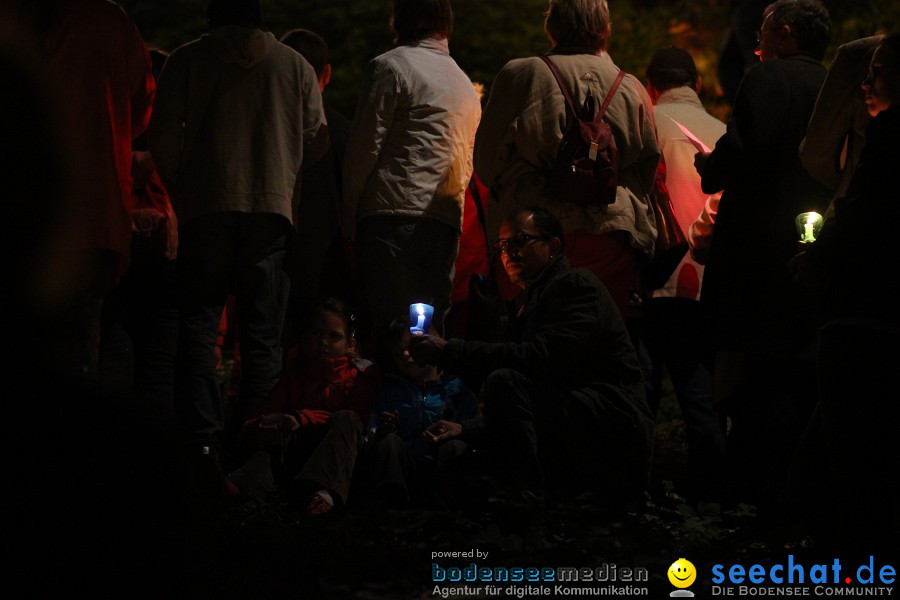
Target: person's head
[(311, 46), (882, 85), (670, 68), (794, 27), (242, 13), (415, 20), (329, 333), (530, 239), (398, 350), (578, 24)]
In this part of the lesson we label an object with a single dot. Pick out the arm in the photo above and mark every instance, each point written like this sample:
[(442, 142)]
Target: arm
[(754, 121), (315, 127), (569, 331), (144, 89), (701, 231), (165, 133), (494, 146), (374, 115)]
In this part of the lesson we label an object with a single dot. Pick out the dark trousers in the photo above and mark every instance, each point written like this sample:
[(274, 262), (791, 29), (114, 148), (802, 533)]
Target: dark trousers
[(670, 340), (221, 254), (403, 260), (769, 401), (395, 475), (333, 457), (546, 437), (139, 335), (845, 479)]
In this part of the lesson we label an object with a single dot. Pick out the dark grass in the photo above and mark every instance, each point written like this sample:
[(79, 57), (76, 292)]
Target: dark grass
[(267, 550)]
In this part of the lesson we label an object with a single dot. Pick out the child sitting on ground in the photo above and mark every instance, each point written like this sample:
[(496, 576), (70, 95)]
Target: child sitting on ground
[(311, 425), (413, 398)]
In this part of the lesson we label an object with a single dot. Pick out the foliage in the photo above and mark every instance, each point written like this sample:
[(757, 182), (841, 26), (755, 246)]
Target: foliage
[(489, 33)]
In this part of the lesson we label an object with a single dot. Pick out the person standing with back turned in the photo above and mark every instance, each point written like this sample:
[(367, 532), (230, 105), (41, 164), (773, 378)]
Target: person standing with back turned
[(758, 329), (236, 115), (524, 121), (408, 163)]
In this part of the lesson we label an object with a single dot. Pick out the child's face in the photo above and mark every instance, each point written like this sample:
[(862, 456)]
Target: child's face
[(406, 365), (327, 338)]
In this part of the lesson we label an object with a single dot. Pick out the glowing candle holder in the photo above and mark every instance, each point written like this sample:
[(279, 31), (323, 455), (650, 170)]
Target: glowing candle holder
[(420, 318), (809, 224)]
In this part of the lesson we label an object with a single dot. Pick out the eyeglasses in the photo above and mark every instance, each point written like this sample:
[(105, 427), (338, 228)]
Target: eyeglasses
[(517, 242)]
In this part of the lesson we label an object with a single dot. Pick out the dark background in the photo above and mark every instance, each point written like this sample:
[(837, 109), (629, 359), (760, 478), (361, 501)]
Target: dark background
[(488, 33)]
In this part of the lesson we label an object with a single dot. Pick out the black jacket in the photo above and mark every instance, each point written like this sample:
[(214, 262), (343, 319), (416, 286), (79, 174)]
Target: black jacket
[(757, 165), (570, 335)]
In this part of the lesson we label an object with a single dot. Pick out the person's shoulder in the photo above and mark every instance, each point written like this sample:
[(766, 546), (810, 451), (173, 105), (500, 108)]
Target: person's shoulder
[(764, 74), (527, 65), (568, 280), (189, 48), (106, 9), (584, 278), (862, 46)]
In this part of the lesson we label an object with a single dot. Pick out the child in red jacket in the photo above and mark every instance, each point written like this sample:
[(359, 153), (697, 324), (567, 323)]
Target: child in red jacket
[(311, 425)]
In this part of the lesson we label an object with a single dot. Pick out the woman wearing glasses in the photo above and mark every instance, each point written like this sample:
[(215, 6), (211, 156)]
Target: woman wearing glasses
[(564, 407)]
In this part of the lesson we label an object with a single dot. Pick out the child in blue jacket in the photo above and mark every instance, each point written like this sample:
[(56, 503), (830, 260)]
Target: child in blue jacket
[(413, 397)]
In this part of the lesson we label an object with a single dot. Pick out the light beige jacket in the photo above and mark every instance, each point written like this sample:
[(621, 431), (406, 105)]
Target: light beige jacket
[(524, 121)]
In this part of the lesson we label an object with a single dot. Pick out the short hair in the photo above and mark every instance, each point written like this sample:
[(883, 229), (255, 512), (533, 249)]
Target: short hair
[(415, 20), (891, 43), (243, 13), (310, 45), (546, 222), (809, 22), (578, 23), (671, 67)]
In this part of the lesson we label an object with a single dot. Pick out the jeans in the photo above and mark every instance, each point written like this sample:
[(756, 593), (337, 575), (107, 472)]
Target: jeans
[(403, 260), (221, 254), (140, 335)]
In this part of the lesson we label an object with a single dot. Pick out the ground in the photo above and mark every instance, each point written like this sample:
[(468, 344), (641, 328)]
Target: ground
[(266, 550)]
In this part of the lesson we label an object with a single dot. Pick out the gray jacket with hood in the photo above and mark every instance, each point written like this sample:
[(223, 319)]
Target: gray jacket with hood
[(236, 114)]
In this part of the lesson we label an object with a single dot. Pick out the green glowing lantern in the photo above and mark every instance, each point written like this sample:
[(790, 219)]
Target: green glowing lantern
[(809, 224)]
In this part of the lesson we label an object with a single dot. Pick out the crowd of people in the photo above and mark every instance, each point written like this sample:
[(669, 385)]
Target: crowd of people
[(224, 176)]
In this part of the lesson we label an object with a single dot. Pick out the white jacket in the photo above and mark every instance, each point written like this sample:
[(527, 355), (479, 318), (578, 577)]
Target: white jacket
[(410, 152), (681, 104)]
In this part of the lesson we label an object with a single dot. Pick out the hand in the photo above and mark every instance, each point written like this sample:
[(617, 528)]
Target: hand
[(700, 161), (806, 272), (278, 421), (426, 349), (387, 423), (145, 220), (441, 432)]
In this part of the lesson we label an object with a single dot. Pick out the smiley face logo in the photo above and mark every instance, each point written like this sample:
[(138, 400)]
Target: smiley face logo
[(682, 573)]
